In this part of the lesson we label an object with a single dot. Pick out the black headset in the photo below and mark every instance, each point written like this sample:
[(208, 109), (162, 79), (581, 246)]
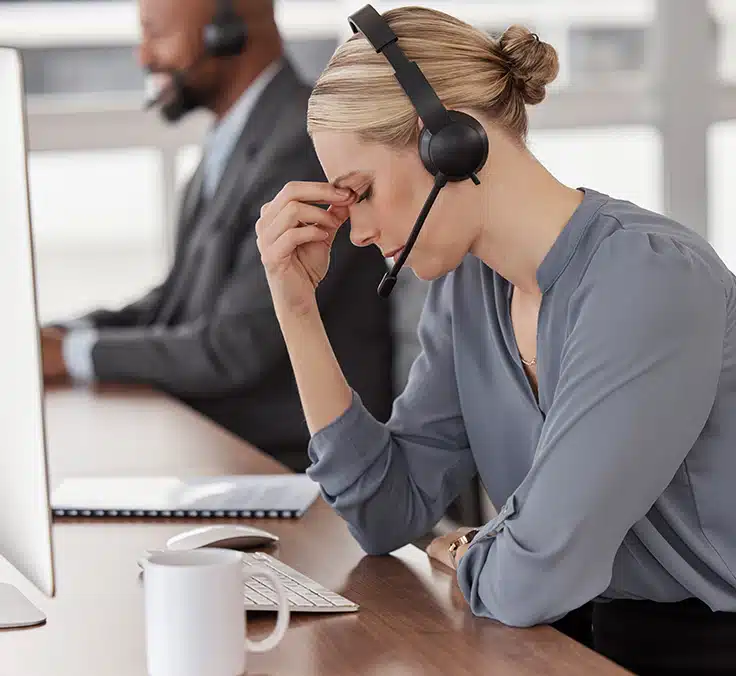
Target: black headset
[(227, 34), (453, 146)]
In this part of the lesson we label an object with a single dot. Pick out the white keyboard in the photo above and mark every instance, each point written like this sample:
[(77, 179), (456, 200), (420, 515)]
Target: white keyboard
[(304, 594)]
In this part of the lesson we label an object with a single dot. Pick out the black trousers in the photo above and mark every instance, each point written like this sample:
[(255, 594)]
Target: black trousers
[(657, 639)]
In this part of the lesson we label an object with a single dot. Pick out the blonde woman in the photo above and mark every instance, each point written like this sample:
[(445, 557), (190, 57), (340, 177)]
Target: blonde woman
[(578, 356)]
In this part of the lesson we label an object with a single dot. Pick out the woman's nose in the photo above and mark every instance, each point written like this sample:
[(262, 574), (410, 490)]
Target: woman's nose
[(362, 234)]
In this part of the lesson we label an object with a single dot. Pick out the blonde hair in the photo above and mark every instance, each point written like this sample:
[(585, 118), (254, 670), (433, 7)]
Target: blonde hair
[(469, 69)]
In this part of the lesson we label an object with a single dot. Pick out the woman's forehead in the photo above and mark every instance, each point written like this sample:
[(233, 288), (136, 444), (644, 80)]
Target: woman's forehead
[(343, 155)]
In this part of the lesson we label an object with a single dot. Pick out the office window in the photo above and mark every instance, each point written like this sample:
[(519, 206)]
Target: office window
[(97, 231), (624, 162), (609, 54), (96, 70), (84, 48), (722, 199), (724, 38), (310, 56), (81, 70)]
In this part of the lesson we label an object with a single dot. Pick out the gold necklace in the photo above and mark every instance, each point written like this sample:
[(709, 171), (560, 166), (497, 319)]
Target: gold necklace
[(533, 362)]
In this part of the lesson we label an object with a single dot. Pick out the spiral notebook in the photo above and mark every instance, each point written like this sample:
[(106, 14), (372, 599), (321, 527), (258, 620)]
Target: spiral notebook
[(233, 496)]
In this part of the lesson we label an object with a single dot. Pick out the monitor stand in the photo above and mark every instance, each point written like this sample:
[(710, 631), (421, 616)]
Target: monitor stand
[(16, 610)]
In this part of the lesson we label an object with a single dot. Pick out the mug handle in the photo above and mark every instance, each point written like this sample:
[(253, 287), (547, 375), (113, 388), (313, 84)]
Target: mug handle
[(282, 618)]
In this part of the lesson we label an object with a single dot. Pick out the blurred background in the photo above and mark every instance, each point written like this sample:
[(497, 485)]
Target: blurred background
[(644, 109)]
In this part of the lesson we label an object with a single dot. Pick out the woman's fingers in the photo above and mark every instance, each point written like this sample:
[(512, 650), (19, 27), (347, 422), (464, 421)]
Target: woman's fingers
[(291, 240), (294, 215), (340, 212), (308, 192)]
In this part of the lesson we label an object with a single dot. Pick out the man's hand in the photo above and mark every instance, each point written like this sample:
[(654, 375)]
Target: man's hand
[(54, 368), (438, 548)]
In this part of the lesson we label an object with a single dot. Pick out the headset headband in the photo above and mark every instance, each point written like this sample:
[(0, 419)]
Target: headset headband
[(425, 100)]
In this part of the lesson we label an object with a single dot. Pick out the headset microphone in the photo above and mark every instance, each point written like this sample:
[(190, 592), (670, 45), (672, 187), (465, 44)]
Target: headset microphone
[(453, 146), (389, 279)]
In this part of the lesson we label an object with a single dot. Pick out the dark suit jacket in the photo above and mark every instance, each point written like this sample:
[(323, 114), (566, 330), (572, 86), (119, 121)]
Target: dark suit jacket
[(209, 334)]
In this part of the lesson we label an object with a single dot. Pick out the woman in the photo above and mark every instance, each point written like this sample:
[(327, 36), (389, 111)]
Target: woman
[(578, 354)]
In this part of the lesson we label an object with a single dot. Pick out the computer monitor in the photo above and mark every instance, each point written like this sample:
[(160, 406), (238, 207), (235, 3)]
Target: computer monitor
[(25, 514)]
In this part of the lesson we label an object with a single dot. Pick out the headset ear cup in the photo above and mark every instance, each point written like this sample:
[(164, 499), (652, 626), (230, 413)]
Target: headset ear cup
[(458, 150), (225, 36), (425, 143)]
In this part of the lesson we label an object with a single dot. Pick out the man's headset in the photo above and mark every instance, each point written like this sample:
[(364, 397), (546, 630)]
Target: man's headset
[(226, 35), (453, 146)]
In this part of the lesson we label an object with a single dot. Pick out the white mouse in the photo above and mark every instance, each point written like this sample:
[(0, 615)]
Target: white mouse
[(225, 536)]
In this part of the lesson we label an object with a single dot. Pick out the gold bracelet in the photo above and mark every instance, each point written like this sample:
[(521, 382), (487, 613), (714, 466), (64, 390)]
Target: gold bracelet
[(464, 539)]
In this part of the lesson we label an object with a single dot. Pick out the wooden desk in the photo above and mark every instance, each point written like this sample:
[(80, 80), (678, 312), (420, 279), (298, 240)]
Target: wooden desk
[(412, 620)]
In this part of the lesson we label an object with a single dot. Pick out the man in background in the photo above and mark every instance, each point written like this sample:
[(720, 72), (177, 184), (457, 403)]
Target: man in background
[(208, 334)]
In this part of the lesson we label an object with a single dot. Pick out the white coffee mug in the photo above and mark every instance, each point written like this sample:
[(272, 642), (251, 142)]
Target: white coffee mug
[(195, 615)]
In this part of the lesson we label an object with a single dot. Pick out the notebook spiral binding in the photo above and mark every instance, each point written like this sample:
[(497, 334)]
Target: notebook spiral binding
[(176, 514)]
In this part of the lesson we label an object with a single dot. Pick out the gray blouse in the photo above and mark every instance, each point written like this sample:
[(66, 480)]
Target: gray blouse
[(620, 480)]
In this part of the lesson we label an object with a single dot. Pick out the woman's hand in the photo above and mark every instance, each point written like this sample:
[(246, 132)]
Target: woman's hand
[(438, 549), (295, 237)]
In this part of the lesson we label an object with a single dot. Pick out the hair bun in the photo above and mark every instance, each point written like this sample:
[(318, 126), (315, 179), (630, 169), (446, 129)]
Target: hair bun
[(533, 64)]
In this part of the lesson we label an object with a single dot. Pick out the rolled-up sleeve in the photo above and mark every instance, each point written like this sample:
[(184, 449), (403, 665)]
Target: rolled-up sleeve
[(638, 378), (392, 482)]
